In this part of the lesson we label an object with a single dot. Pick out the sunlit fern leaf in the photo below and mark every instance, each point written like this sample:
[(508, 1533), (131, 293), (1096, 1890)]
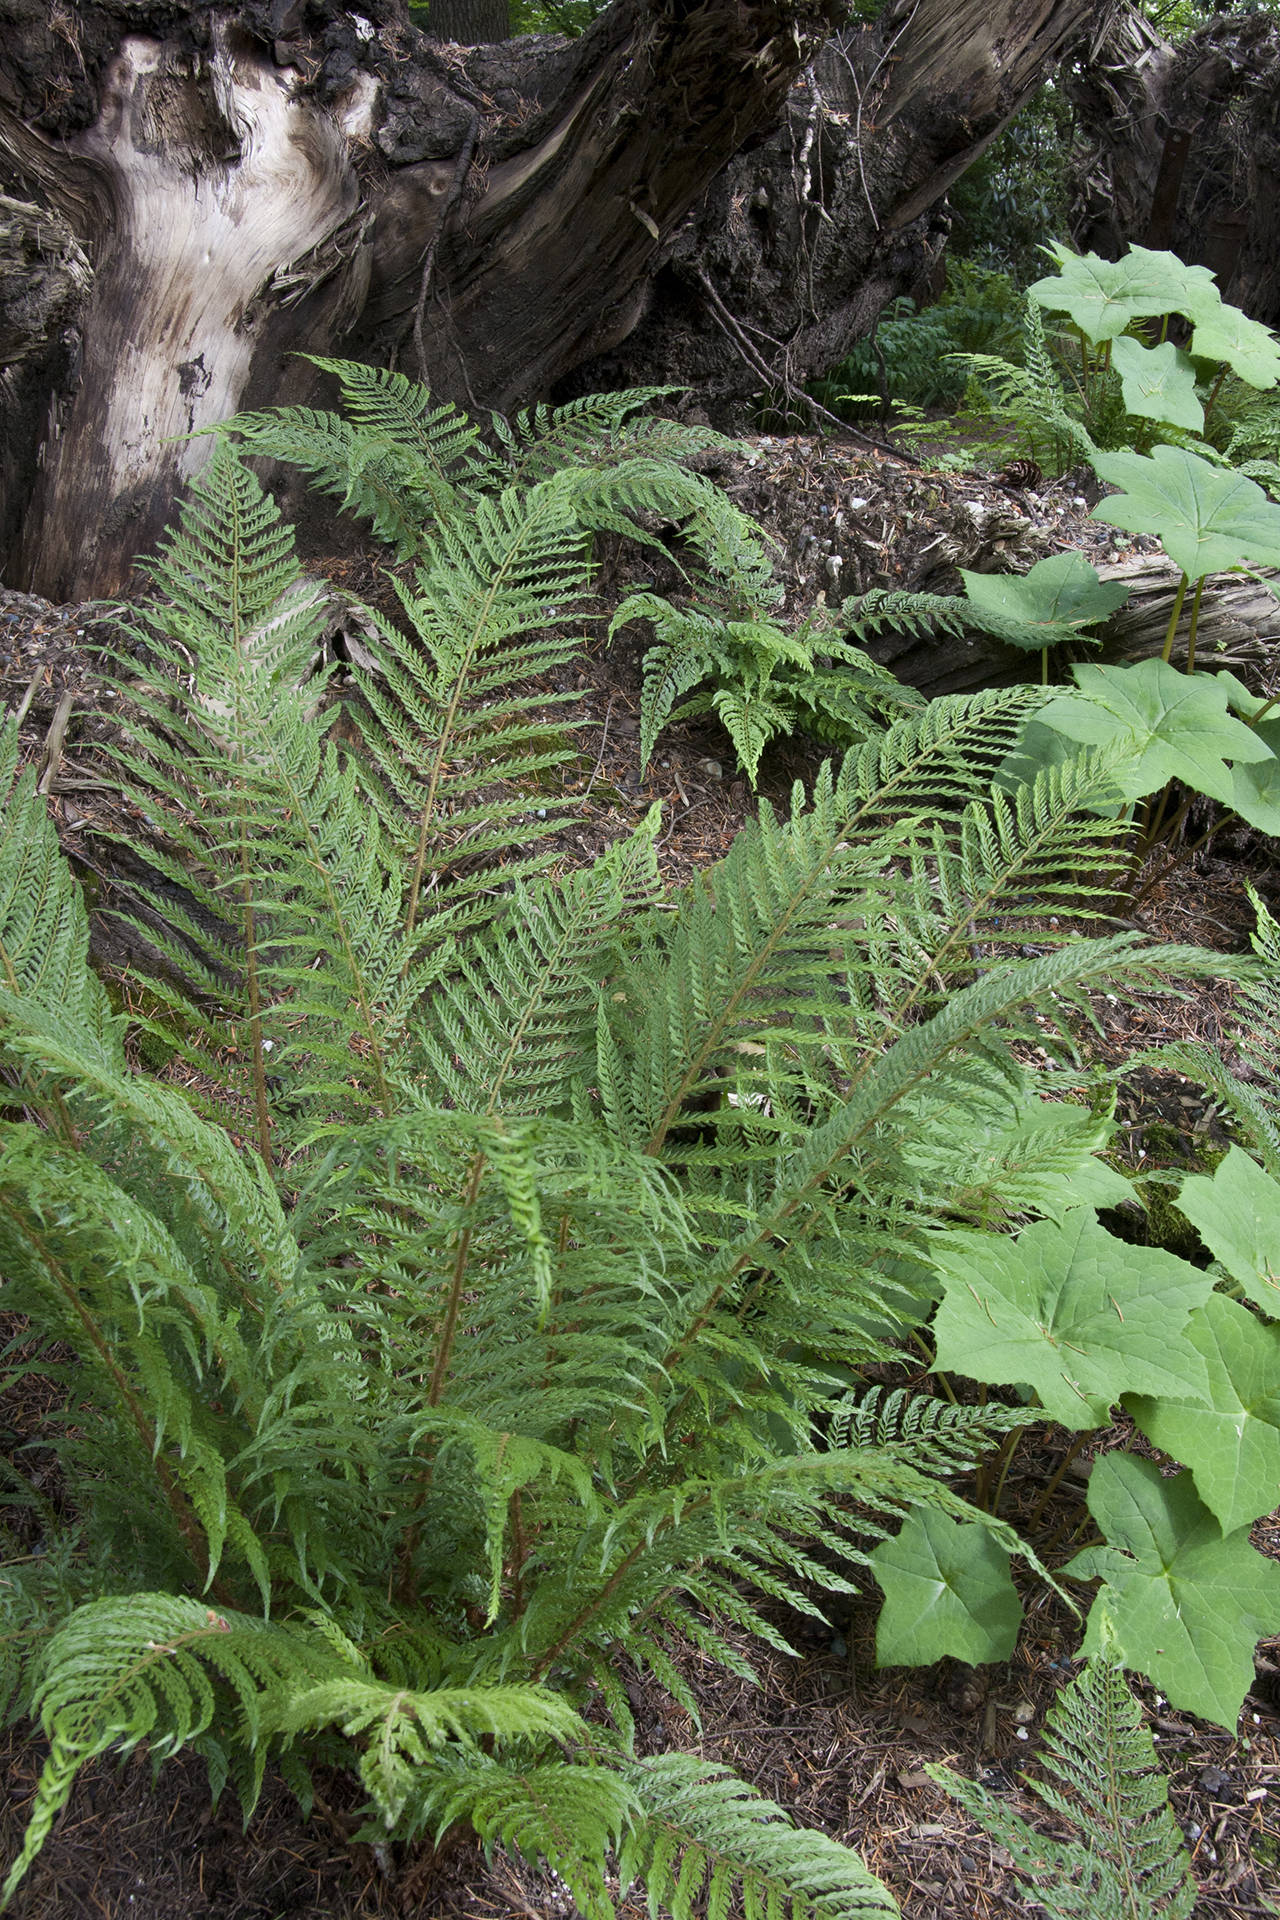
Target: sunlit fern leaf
[(931, 1432), (394, 491), (751, 718), (270, 833), (593, 430), (398, 1730), (44, 929), (764, 938), (566, 1814), (148, 1666), (1129, 1862), (1033, 398), (400, 410), (515, 1025), (880, 609), (398, 460), (458, 734), (706, 1843)]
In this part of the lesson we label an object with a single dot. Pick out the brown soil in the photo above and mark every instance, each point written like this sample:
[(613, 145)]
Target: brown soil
[(840, 1744)]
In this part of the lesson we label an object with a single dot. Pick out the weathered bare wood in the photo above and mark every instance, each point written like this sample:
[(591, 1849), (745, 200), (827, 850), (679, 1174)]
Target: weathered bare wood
[(252, 183), (224, 201), (1185, 148), (1239, 623), (45, 279), (1239, 628), (805, 236)]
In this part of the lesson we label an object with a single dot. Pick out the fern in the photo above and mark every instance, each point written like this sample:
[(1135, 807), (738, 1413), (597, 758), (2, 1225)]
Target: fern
[(1104, 1780), (532, 1334), (705, 1836), (1032, 398), (1251, 1098)]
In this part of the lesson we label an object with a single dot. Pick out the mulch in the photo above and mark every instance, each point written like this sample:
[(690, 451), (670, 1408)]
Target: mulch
[(840, 1743)]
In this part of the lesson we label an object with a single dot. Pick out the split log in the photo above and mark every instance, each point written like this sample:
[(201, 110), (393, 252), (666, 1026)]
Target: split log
[(1183, 148), (254, 183)]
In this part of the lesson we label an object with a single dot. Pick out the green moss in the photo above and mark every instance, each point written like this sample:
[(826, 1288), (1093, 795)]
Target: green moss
[(148, 1045), (1170, 1151)]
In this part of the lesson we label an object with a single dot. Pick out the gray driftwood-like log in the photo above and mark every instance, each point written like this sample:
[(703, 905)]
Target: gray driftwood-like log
[(1238, 628), (285, 176)]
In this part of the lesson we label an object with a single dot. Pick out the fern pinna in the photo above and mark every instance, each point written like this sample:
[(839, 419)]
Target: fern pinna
[(1104, 1780), (530, 1329)]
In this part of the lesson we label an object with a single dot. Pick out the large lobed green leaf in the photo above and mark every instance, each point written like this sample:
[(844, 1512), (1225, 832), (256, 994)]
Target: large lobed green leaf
[(1251, 350), (947, 1590), (1158, 383), (1175, 725), (1105, 297), (1232, 1444), (1184, 1602), (1059, 595), (1071, 1311), (1208, 518), (1237, 1214)]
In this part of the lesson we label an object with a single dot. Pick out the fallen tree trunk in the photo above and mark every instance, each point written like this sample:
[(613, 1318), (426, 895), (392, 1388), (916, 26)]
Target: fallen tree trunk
[(846, 522), (286, 178), (1183, 149)]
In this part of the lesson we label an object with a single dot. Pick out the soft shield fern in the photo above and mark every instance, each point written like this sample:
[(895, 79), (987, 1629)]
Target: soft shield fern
[(513, 1346), (1103, 1780)]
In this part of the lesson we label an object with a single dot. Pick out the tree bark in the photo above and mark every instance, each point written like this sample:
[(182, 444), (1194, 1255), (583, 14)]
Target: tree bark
[(471, 23), (497, 220), (1183, 149)]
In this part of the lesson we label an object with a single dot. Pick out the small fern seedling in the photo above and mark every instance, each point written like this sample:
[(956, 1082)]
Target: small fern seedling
[(1128, 1861)]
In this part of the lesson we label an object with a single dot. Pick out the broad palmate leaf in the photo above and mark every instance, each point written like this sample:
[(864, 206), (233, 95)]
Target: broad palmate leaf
[(1251, 350), (1071, 1311), (1184, 1602), (1058, 596), (1158, 383), (1232, 1444), (1176, 725), (1237, 1214), (1104, 297), (947, 1590), (1208, 518)]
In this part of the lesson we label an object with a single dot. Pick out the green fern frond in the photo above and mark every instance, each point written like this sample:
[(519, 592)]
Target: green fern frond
[(395, 408), (515, 1025), (399, 1729), (1105, 1781), (400, 459), (44, 929), (704, 1836), (598, 429), (932, 1434), (884, 609), (269, 833), (1252, 1099), (147, 1666), (1032, 396), (567, 1814)]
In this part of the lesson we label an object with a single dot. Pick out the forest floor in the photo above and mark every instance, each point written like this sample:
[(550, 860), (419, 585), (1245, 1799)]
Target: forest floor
[(838, 1742)]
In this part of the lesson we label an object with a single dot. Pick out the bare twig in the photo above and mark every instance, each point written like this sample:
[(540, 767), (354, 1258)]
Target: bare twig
[(604, 741), (24, 705), (772, 377), (51, 759)]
